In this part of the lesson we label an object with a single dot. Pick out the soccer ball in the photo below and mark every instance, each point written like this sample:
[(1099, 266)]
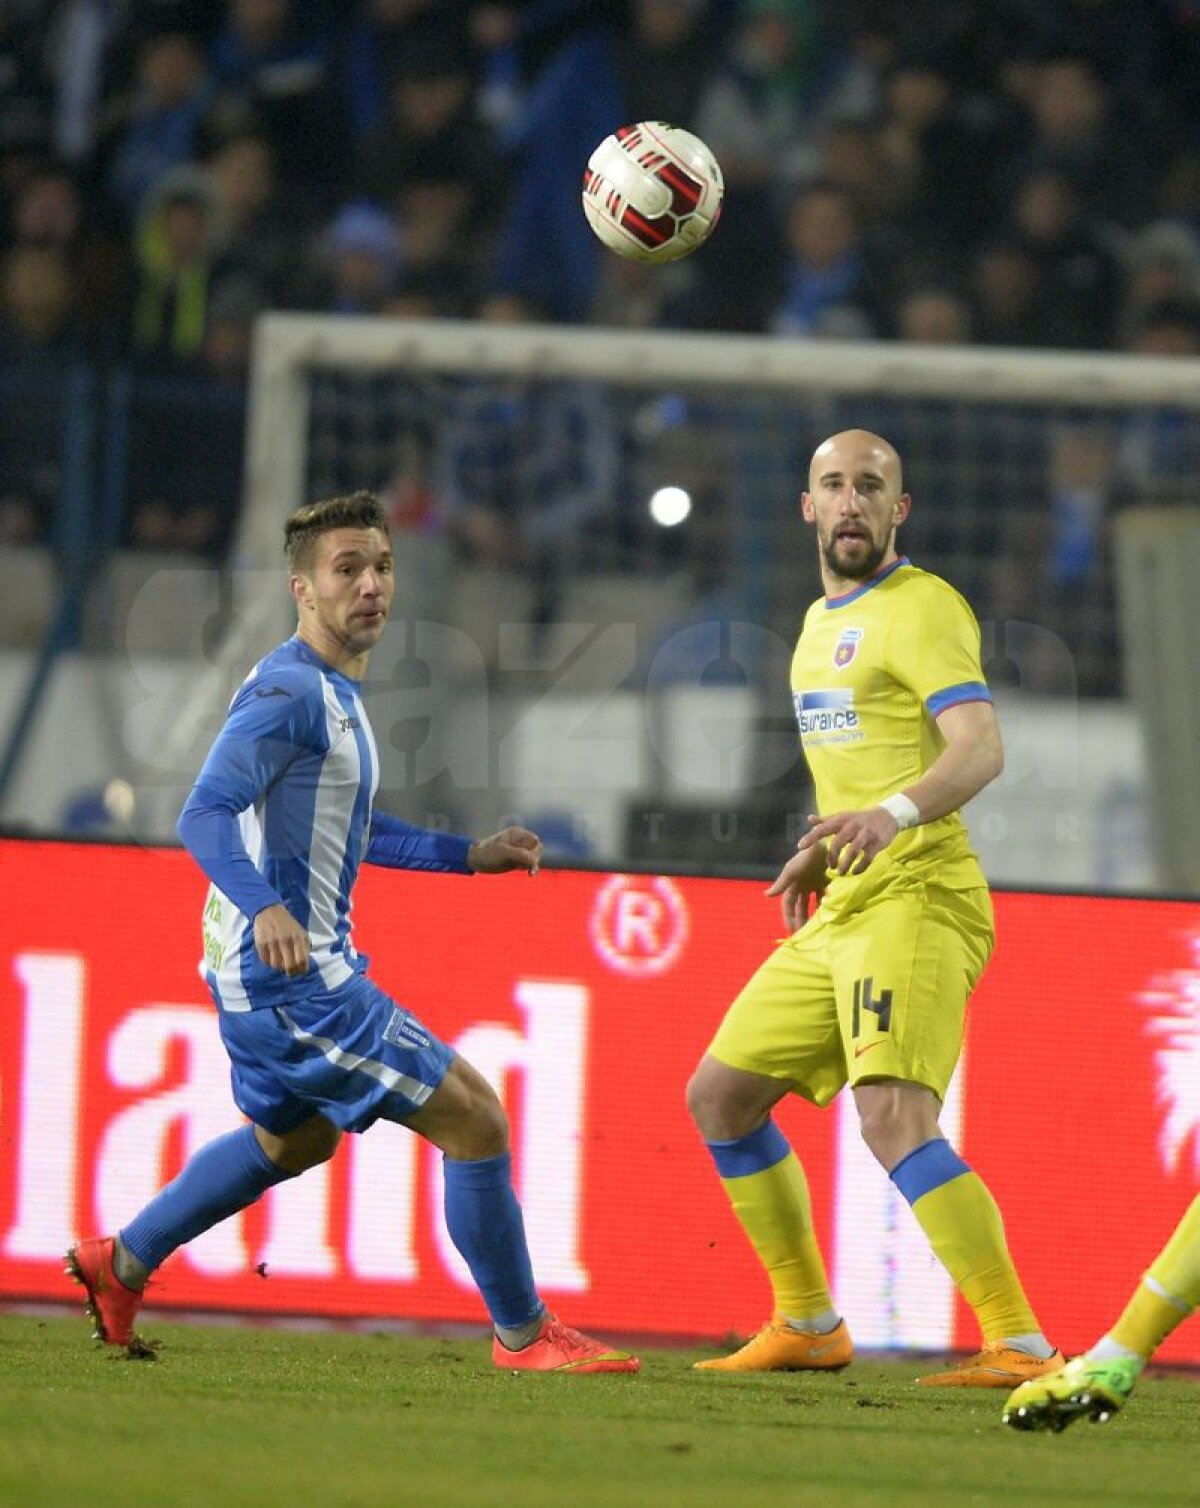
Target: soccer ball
[(652, 192)]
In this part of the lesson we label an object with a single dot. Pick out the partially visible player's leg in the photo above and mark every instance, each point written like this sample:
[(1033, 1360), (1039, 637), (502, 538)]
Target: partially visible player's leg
[(464, 1118), (1168, 1293), (223, 1177), (280, 1091), (778, 1032), (226, 1175), (466, 1121), (1097, 1384), (962, 1221), (905, 971)]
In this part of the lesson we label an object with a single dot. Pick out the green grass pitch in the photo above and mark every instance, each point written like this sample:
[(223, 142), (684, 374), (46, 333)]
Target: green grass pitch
[(232, 1415)]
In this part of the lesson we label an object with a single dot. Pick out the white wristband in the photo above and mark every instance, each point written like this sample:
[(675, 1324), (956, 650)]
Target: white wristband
[(905, 811)]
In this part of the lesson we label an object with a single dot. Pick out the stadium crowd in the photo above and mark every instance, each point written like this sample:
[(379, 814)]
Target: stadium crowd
[(1012, 172)]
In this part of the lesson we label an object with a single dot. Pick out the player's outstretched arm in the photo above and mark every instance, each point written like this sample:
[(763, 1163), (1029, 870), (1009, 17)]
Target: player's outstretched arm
[(511, 848)]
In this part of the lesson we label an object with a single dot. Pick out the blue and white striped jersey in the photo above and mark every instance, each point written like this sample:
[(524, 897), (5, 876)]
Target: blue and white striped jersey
[(281, 813)]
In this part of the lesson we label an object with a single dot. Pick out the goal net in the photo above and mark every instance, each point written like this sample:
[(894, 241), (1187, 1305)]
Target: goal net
[(601, 565)]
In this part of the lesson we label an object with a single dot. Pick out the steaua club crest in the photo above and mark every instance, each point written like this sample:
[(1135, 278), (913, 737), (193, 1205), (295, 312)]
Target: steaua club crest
[(846, 647)]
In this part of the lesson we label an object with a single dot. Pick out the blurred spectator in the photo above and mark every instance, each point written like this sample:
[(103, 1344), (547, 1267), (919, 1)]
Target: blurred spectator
[(935, 316), (666, 53), (1080, 134), (38, 294), (22, 519), (764, 109), (1169, 328), (1009, 290), (1136, 46), (26, 133), (1162, 265), (523, 469), (443, 232), (377, 43), (263, 224), (235, 304), (1145, 456), (973, 39), (1158, 453), (544, 252), (947, 157), (36, 297), (24, 144), (429, 127), (1082, 277), (163, 117), (275, 74), (183, 480), (851, 154), (50, 210), (641, 296), (77, 47), (180, 234), (762, 113), (826, 290), (1179, 186), (360, 252)]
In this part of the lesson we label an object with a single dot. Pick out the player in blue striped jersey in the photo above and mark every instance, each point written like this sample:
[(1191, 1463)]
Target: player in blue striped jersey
[(280, 818)]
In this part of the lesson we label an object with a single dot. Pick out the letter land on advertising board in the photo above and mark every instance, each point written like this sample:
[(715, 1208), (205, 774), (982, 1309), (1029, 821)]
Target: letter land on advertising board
[(587, 999)]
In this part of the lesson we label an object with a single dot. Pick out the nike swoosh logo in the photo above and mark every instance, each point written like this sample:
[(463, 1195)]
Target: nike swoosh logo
[(271, 691), (858, 1051), (821, 1350)]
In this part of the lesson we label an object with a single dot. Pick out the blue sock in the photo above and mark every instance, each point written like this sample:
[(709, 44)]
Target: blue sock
[(484, 1221), (225, 1176)]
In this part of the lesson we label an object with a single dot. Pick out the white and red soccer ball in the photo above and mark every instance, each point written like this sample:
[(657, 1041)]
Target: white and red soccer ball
[(652, 192)]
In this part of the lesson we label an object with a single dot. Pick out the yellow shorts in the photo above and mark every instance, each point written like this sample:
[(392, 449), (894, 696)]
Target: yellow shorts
[(879, 994)]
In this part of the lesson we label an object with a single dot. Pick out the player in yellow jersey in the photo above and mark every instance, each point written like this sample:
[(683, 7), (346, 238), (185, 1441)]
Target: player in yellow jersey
[(899, 731)]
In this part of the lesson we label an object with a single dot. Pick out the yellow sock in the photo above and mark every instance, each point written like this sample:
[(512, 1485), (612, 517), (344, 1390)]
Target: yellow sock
[(769, 1194), (1167, 1294), (776, 1213), (964, 1227)]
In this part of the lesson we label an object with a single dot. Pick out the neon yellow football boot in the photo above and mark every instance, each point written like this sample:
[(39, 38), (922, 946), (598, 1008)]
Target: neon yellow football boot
[(1083, 1389)]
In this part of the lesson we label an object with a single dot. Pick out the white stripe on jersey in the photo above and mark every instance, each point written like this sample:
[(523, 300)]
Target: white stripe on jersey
[(226, 927), (333, 812), (369, 733), (390, 1078), (233, 992)]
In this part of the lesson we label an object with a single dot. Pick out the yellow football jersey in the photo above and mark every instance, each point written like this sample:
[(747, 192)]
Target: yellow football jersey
[(872, 670)]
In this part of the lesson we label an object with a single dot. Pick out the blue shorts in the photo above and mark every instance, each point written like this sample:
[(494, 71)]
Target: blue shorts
[(351, 1054)]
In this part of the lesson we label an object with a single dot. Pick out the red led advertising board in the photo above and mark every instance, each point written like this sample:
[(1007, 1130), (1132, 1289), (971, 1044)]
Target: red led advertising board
[(587, 999)]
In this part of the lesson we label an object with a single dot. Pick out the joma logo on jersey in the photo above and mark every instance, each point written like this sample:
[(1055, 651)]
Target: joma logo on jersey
[(846, 647), (825, 711), (346, 723)]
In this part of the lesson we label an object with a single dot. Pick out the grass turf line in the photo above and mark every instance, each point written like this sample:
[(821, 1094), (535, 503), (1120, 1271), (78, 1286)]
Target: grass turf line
[(260, 1417)]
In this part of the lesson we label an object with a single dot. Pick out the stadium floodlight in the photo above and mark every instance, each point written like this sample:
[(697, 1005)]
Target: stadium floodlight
[(669, 506)]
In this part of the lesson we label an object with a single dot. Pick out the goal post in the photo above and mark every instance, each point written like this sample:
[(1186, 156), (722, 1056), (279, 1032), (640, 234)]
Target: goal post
[(992, 443)]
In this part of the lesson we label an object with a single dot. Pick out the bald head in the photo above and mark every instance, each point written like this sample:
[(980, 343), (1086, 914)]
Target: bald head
[(856, 500), (854, 450)]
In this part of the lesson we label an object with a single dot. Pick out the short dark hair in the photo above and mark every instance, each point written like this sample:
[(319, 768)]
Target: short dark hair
[(359, 510)]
